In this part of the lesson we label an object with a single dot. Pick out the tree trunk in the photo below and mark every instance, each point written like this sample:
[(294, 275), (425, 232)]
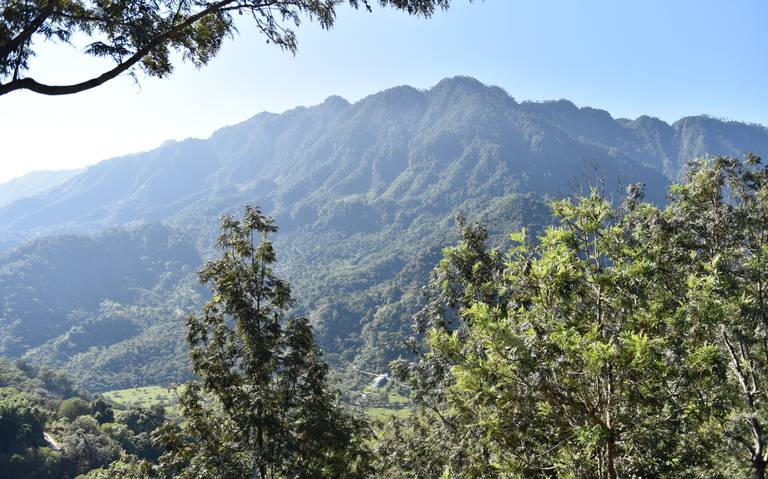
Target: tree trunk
[(759, 467), (259, 471), (610, 462)]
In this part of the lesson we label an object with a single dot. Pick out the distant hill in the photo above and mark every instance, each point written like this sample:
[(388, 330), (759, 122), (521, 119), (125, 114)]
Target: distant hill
[(33, 183), (653, 142), (365, 195), (70, 293)]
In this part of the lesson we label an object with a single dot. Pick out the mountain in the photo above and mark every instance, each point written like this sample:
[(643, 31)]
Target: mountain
[(651, 141), (66, 294), (364, 193), (402, 146), (33, 183), (395, 152)]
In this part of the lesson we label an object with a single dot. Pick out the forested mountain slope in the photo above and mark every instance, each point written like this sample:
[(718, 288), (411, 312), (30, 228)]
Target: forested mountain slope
[(365, 195), (653, 142), (33, 183), (384, 160), (65, 294)]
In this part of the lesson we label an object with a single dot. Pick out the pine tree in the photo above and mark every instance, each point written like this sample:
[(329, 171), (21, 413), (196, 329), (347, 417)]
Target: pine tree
[(262, 405)]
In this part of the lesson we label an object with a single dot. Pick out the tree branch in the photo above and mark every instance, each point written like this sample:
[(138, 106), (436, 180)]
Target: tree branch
[(37, 87), (27, 32)]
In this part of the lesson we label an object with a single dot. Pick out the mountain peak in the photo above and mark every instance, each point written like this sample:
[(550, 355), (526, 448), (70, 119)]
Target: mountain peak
[(336, 101), (459, 82), (650, 120)]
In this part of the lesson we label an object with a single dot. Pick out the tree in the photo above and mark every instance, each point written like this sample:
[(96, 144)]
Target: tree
[(21, 423), (73, 408), (127, 467), (413, 447), (102, 411), (717, 226), (567, 358), (143, 35), (85, 446), (262, 406)]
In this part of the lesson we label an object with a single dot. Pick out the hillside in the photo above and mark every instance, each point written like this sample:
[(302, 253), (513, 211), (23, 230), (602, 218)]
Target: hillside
[(50, 429), (365, 195), (387, 158), (402, 147), (32, 184), (65, 295)]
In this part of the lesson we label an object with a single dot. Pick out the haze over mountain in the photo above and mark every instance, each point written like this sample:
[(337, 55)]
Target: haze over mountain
[(33, 183), (401, 145), (365, 195)]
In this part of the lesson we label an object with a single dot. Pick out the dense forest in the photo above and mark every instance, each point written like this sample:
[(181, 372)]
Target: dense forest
[(438, 282), (422, 284), (50, 429), (624, 340), (365, 194)]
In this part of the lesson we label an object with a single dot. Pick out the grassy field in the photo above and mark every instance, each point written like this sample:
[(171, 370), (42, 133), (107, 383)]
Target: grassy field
[(384, 413), (144, 397), (389, 402), (395, 397), (147, 396)]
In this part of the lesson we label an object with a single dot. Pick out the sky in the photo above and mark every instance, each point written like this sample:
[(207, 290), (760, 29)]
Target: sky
[(663, 58)]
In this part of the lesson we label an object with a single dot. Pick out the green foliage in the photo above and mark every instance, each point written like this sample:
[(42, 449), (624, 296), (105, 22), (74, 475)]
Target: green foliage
[(412, 448), (716, 225), (626, 342), (127, 467), (85, 446), (366, 193), (37, 463), (142, 419), (49, 430), (73, 408), (146, 35), (29, 378), (262, 406), (21, 422), (102, 411)]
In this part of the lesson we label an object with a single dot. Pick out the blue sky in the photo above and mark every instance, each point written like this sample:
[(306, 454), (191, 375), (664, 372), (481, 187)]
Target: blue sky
[(667, 58)]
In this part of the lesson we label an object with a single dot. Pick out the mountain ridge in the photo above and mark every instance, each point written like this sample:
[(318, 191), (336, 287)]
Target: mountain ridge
[(32, 183), (364, 194), (650, 142), (140, 190)]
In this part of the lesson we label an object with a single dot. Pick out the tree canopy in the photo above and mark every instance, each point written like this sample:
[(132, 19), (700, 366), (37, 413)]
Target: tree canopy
[(628, 341), (262, 406), (142, 35)]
